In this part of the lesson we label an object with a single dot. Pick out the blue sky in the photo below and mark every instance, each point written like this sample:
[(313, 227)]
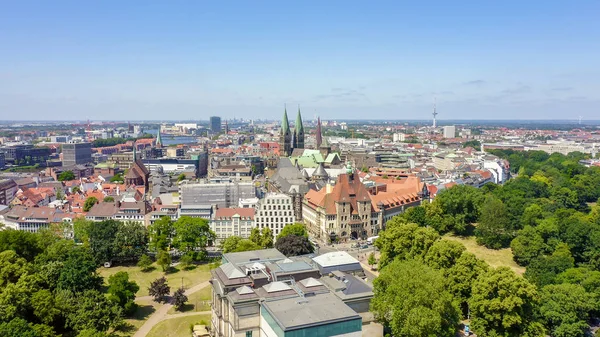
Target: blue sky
[(338, 59)]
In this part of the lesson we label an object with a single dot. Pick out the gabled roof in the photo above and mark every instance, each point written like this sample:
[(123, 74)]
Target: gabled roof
[(231, 271)]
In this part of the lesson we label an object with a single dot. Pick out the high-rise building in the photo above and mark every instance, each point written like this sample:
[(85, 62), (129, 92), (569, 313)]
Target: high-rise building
[(215, 124), (275, 211), (76, 153), (449, 131)]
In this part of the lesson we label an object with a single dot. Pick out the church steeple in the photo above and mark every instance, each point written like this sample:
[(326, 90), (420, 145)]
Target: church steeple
[(159, 142), (299, 132), (319, 135), (285, 136)]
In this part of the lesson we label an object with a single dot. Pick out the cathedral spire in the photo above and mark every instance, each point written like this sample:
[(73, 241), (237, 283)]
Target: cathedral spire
[(298, 131), (285, 136), (285, 125)]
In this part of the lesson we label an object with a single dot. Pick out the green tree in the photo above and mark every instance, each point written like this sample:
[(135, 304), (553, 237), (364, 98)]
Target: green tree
[(495, 229), (79, 272), (130, 241), (532, 215), (75, 189), (404, 241), (461, 204), (108, 199), (93, 310), (502, 304), (237, 244), (565, 309), (543, 270), (255, 236), (266, 238), (411, 299), (443, 254), (181, 177), (527, 245), (164, 260), (159, 289), (191, 234), (66, 176), (102, 239), (186, 261), (89, 203), (293, 229), (461, 276), (145, 263), (122, 291), (25, 244), (60, 195), (294, 245), (372, 260), (117, 178), (161, 232), (417, 214), (17, 327), (44, 307), (179, 299), (12, 266)]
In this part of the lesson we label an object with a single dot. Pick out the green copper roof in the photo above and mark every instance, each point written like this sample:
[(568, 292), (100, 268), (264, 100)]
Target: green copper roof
[(298, 127), (285, 125)]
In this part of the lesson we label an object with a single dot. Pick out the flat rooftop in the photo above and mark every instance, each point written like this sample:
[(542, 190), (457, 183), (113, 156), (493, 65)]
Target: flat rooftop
[(297, 313), (254, 255)]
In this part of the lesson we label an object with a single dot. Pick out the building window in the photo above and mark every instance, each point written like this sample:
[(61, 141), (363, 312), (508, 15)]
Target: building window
[(248, 333)]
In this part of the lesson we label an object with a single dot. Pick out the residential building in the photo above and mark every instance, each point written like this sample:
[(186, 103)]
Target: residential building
[(449, 131), (275, 211), (2, 160), (232, 222), (32, 219), (176, 166), (76, 153), (8, 190)]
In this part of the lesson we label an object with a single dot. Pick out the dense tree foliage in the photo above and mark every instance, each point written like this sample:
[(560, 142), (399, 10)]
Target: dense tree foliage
[(112, 240), (187, 234), (404, 241), (503, 304), (89, 203), (294, 245), (263, 238), (235, 244), (49, 287), (565, 309), (179, 299), (159, 289), (65, 176), (411, 298), (293, 229), (122, 291)]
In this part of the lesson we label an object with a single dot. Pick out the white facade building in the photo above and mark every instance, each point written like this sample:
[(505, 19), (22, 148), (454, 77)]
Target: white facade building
[(275, 211), (449, 131), (232, 222)]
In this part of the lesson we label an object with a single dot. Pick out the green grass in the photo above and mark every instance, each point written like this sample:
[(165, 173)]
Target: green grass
[(495, 258), (190, 277), (177, 327), (195, 301)]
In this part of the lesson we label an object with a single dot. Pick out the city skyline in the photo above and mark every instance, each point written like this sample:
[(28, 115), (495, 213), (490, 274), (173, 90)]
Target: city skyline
[(339, 60)]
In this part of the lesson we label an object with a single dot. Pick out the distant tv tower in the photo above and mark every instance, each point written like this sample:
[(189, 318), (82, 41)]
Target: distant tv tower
[(580, 120), (434, 112)]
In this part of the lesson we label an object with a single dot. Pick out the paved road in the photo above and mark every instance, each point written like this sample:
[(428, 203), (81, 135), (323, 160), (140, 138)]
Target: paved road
[(162, 312)]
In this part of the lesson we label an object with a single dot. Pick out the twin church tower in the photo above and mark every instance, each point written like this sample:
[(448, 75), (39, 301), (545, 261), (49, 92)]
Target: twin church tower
[(288, 140)]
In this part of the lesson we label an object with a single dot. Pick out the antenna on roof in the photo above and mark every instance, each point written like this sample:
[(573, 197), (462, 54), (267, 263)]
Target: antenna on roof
[(434, 110)]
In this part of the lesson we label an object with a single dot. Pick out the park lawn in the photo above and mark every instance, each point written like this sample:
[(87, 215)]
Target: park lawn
[(190, 277), (495, 258), (194, 301), (178, 326)]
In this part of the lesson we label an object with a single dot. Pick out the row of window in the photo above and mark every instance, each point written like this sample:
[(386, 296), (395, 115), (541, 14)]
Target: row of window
[(275, 207), (275, 220), (270, 213)]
